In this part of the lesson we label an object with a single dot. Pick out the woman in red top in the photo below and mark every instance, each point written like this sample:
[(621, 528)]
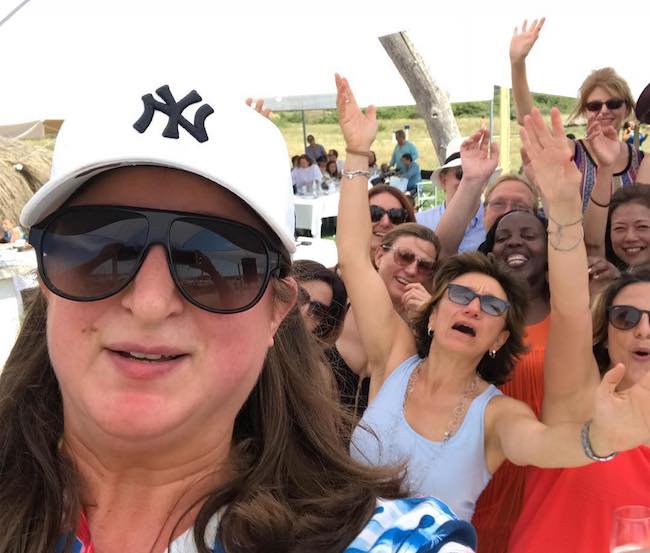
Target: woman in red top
[(571, 510)]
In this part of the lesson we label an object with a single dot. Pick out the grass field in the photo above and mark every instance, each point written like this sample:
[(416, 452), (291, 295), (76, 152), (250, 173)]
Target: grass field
[(329, 135)]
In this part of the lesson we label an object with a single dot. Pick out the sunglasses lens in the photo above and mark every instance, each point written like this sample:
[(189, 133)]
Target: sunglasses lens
[(404, 257), (397, 215), (624, 317), (91, 254), (218, 264), (460, 295), (614, 104), (376, 213), (493, 306), (426, 267), (594, 106)]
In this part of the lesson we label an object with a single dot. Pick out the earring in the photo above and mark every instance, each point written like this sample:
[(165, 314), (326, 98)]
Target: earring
[(492, 353), (430, 332)]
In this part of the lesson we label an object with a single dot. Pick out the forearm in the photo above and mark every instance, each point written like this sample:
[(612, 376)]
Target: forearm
[(353, 227), (595, 220), (457, 216), (520, 91)]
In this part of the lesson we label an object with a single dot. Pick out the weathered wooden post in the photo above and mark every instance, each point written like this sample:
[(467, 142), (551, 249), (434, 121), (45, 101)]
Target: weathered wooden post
[(431, 100)]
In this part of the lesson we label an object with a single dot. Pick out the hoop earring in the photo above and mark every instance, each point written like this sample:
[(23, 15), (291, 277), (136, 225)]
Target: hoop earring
[(492, 353), (430, 332)]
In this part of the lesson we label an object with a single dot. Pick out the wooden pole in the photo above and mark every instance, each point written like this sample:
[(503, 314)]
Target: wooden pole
[(431, 100), (504, 146)]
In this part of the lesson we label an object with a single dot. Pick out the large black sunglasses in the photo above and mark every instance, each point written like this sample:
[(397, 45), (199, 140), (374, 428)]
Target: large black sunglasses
[(491, 305), (396, 215), (88, 253), (625, 317)]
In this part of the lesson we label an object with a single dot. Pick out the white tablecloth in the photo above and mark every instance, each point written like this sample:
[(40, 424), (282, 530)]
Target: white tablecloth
[(17, 272), (310, 212)]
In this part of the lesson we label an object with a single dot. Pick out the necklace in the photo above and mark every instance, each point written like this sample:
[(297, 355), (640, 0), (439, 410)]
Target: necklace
[(458, 411)]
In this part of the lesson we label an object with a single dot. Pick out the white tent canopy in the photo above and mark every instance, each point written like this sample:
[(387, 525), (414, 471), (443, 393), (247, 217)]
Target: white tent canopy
[(70, 48)]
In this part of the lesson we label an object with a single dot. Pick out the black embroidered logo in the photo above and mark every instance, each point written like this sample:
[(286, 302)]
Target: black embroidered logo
[(174, 111)]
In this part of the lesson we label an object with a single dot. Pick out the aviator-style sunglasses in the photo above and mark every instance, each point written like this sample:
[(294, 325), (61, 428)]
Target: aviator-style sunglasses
[(490, 305), (597, 105), (89, 253), (396, 215), (625, 317), (405, 257)]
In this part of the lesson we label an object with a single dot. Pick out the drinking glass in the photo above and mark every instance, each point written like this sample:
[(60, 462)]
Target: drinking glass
[(630, 530)]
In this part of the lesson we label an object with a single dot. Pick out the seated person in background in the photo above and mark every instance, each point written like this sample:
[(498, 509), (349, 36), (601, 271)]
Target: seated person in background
[(373, 166), (402, 147), (333, 155), (411, 172), (448, 177), (11, 231), (322, 164), (331, 177), (294, 161), (313, 150), (304, 176)]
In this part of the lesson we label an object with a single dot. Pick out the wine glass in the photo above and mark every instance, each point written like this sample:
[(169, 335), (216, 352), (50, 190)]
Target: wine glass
[(630, 530)]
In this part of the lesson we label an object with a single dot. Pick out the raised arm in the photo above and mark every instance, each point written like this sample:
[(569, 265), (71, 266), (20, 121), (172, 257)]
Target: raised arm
[(379, 325), (477, 166), (520, 46), (570, 371), (619, 421), (606, 147)]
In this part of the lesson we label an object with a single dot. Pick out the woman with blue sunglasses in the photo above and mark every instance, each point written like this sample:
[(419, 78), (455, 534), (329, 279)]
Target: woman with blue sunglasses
[(164, 393), (584, 349), (433, 405)]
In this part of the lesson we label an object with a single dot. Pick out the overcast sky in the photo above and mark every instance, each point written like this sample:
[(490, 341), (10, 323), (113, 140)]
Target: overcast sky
[(54, 51)]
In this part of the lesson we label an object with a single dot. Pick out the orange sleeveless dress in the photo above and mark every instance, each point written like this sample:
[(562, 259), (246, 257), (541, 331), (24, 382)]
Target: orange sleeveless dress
[(498, 507)]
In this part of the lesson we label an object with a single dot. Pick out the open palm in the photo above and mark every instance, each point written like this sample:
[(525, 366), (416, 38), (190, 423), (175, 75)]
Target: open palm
[(550, 156), (523, 41), (604, 142), (359, 129), (479, 157)]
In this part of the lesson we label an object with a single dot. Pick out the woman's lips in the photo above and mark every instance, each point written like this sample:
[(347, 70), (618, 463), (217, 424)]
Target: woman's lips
[(139, 368)]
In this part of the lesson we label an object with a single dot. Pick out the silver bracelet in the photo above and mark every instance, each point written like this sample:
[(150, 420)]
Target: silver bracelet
[(351, 174), (586, 445)]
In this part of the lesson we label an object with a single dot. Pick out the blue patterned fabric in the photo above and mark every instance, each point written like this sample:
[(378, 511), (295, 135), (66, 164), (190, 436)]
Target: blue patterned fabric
[(420, 525)]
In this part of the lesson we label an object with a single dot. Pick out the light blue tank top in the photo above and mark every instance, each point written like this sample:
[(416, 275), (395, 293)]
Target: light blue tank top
[(454, 472)]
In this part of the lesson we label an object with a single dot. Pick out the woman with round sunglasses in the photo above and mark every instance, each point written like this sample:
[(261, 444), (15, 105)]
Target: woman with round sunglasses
[(433, 404), (163, 394), (605, 101), (577, 361)]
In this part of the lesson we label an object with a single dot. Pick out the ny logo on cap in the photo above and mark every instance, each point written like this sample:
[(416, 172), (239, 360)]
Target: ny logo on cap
[(174, 111)]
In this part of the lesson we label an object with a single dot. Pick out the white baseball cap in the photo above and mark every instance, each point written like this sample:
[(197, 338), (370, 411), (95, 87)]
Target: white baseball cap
[(179, 126)]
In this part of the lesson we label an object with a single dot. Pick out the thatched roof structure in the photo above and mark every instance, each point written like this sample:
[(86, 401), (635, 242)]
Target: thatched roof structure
[(24, 167)]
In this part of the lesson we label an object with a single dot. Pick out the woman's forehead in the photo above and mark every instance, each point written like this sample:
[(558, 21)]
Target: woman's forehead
[(165, 188), (385, 199), (481, 284)]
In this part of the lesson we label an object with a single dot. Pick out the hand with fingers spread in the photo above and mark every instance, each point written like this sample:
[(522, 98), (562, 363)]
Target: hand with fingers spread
[(604, 143), (259, 107), (551, 157), (359, 129), (477, 164), (621, 418), (523, 41)]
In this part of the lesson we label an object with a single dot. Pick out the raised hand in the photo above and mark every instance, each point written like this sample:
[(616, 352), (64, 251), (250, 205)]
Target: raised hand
[(477, 164), (522, 41), (604, 143), (359, 129), (551, 157), (259, 107), (621, 418)]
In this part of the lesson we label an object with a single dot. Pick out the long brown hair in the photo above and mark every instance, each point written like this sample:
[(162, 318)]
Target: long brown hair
[(296, 489), (398, 195)]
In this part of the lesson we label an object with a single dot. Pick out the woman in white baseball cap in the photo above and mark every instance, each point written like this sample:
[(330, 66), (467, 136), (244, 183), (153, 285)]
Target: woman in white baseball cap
[(162, 391)]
